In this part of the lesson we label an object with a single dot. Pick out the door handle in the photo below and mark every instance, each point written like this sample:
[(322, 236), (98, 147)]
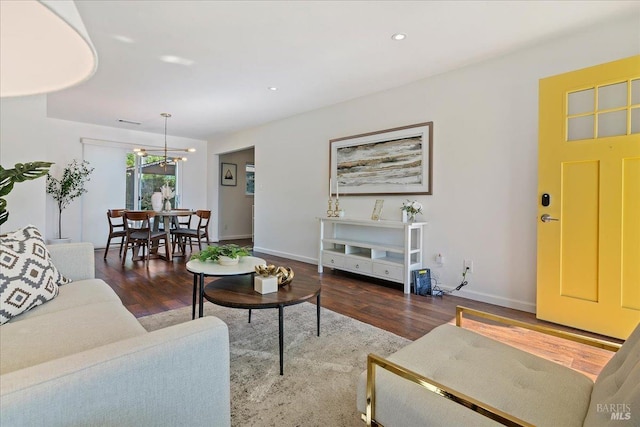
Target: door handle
[(548, 218)]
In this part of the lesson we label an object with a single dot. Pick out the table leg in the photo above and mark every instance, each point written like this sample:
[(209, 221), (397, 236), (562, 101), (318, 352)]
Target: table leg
[(281, 339), (195, 293), (318, 314), (153, 249), (201, 301), (249, 315), (167, 237)]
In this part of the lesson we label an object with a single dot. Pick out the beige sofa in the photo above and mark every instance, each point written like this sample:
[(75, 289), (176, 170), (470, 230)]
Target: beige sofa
[(473, 371), (82, 359)]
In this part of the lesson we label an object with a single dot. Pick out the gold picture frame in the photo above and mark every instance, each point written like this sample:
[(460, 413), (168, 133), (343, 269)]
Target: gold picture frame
[(377, 210)]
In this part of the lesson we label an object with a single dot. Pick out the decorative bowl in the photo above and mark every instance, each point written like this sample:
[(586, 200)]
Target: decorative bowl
[(225, 260)]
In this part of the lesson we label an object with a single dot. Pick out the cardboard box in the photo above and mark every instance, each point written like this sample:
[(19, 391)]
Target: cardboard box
[(265, 285)]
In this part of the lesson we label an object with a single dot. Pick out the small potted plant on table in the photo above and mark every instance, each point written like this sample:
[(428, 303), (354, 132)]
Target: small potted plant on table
[(228, 254)]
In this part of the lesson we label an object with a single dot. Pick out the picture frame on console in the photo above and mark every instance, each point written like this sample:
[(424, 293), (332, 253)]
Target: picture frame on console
[(377, 210), (390, 161), (229, 174)]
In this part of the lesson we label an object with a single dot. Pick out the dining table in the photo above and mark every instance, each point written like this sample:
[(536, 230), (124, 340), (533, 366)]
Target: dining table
[(168, 218)]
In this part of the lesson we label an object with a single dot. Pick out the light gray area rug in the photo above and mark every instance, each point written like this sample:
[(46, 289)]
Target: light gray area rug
[(320, 373)]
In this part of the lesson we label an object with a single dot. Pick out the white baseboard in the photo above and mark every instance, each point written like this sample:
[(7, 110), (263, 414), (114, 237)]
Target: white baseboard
[(493, 299), (235, 237), (472, 295), (294, 257)]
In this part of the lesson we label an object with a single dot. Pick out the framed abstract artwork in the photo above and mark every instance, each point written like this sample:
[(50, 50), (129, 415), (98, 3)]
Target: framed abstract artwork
[(391, 161), (229, 174)]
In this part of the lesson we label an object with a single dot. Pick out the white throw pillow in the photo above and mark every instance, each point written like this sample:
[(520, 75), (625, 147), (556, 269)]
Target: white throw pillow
[(28, 278)]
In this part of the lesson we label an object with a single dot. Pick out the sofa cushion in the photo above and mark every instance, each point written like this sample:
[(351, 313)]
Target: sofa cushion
[(536, 390), (616, 392), (28, 277), (46, 337), (73, 295)]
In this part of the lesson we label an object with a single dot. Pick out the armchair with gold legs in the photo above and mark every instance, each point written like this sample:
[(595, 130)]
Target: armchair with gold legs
[(455, 377)]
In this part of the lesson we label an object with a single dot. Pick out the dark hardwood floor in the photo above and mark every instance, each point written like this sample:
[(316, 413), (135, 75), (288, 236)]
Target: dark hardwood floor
[(156, 286)]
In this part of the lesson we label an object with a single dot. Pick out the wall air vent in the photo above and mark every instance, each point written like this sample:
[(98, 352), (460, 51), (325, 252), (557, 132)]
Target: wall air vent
[(130, 122)]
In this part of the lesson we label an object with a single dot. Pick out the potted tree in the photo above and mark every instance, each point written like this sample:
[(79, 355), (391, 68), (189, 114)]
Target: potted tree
[(67, 188), (21, 172)]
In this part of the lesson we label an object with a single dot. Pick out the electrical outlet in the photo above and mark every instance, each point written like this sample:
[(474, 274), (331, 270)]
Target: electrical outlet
[(468, 264)]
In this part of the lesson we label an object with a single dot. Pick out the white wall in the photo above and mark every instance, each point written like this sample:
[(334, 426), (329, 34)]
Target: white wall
[(28, 135), (483, 206), (234, 205), (23, 139)]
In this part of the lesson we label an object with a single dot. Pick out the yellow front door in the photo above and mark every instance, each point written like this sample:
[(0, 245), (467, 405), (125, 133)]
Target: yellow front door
[(589, 198)]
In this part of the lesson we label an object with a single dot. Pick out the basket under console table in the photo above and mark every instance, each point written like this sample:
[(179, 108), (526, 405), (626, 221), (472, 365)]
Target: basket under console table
[(387, 250)]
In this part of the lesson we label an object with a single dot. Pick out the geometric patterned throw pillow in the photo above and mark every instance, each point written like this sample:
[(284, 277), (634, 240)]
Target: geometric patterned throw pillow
[(28, 278)]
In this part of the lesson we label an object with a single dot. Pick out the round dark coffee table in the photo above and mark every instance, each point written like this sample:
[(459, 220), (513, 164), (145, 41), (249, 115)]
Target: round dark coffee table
[(202, 269), (237, 292)]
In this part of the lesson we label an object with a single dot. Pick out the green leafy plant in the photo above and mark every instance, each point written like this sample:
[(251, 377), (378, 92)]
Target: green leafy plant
[(69, 187), (21, 172), (215, 252)]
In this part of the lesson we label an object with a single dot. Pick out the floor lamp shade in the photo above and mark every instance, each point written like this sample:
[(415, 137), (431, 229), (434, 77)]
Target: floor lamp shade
[(44, 47)]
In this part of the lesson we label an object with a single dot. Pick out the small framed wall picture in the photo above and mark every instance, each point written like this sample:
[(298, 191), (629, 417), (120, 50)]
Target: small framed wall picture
[(377, 210), (229, 174)]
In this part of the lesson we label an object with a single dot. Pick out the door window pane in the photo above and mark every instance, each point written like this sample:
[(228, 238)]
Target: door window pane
[(580, 128), (581, 102), (154, 174), (612, 124), (130, 191), (635, 120), (635, 91), (145, 176), (612, 96)]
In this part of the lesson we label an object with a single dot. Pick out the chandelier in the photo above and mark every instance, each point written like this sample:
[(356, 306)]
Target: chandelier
[(144, 152)]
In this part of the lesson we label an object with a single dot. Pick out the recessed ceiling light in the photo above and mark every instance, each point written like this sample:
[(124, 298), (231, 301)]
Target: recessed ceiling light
[(272, 88), (172, 59), (123, 39), (399, 36)]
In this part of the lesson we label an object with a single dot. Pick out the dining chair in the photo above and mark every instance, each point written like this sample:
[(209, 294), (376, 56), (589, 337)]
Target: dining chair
[(140, 234), (180, 222), (198, 233), (116, 229), (183, 220)]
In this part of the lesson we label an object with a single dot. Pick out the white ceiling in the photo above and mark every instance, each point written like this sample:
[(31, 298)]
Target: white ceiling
[(316, 53)]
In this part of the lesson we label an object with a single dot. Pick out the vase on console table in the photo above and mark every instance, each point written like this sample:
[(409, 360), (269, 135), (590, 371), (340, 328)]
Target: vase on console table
[(167, 205), (156, 201), (405, 216)]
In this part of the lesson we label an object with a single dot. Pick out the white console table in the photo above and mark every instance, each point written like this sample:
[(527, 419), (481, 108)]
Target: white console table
[(384, 249)]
